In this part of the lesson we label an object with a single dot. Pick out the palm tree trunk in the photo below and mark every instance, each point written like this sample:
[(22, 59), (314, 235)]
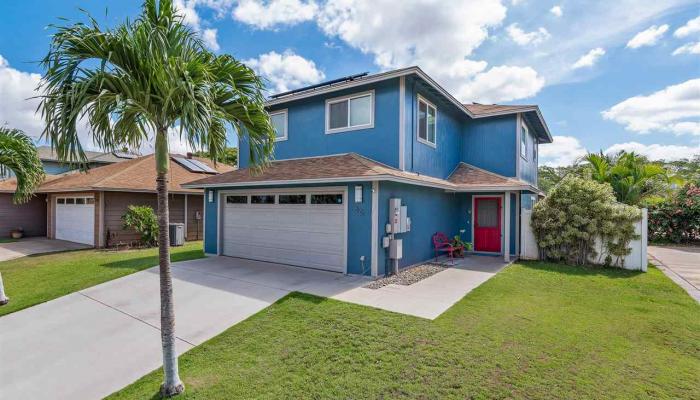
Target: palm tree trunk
[(172, 385)]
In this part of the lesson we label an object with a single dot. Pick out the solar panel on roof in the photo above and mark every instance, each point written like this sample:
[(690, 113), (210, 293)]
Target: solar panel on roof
[(194, 165), (203, 166)]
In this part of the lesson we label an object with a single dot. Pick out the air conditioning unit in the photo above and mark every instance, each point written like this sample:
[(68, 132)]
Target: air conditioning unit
[(177, 234)]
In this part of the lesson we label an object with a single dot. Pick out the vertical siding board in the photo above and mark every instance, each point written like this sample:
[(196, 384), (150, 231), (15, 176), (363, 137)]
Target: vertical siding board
[(490, 144), (30, 216)]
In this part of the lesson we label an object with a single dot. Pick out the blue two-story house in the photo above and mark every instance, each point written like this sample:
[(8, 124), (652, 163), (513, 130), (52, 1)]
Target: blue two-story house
[(345, 148)]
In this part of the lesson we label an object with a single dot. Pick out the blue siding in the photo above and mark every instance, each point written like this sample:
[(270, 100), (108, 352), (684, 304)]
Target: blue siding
[(437, 161), (210, 224), (359, 225), (465, 217), (430, 210), (491, 144), (306, 128), (528, 165)]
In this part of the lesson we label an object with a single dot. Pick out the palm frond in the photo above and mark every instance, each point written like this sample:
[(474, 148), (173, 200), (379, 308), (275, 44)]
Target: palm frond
[(18, 154)]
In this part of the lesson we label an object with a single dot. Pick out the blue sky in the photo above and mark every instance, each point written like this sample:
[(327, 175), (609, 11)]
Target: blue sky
[(607, 75)]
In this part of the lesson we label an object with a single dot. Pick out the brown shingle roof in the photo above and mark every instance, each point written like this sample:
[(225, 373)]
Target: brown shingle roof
[(9, 185), (488, 109), (46, 153), (137, 175), (349, 167)]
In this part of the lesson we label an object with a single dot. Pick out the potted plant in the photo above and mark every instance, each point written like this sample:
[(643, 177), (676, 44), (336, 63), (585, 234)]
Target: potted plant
[(460, 244), (17, 233)]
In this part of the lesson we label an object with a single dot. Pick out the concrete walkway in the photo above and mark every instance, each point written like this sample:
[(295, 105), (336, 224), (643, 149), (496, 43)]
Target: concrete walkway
[(681, 264), (91, 343), (36, 245)]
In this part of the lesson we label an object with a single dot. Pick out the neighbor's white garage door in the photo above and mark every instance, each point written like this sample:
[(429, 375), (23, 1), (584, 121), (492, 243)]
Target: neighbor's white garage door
[(306, 229), (75, 219)]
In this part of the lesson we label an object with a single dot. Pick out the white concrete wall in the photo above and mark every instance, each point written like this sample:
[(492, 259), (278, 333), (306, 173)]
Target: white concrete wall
[(636, 260)]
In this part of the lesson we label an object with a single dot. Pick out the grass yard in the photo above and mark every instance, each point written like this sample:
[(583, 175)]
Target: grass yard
[(7, 240), (536, 330), (35, 279)]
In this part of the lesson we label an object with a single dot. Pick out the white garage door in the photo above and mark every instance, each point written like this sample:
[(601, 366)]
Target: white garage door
[(75, 219), (305, 229)]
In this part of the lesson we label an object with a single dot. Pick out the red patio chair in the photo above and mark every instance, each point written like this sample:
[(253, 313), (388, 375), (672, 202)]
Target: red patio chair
[(441, 243)]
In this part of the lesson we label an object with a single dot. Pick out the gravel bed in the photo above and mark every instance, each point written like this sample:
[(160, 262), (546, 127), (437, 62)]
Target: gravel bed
[(408, 276)]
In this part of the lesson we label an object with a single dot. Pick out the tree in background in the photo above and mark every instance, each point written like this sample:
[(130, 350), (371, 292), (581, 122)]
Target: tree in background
[(676, 219), (229, 156), (548, 177), (634, 179), (131, 84), (18, 155)]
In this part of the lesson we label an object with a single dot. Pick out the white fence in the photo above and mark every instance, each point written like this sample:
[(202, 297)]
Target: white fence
[(636, 260)]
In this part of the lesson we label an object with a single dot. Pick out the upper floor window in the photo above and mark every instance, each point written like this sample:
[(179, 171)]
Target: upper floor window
[(523, 141), (279, 122), (350, 112), (534, 150), (427, 119)]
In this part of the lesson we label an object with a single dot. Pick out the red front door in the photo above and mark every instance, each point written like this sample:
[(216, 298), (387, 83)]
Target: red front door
[(487, 224)]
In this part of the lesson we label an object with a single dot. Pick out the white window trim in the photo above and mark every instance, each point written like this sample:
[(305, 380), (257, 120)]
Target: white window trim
[(286, 124), (348, 98), (526, 131), (429, 104)]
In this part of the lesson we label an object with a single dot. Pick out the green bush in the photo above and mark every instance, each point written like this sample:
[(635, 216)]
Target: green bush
[(676, 219), (143, 220), (576, 212)]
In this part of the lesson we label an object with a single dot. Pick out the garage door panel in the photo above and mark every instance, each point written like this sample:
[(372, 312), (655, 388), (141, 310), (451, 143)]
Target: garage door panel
[(306, 235), (75, 223)]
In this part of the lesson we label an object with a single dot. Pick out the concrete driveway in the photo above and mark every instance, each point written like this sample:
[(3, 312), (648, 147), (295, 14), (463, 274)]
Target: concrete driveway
[(681, 264), (91, 343), (36, 245)]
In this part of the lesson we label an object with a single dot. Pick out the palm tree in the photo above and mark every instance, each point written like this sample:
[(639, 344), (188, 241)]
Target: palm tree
[(134, 83), (18, 154), (631, 176)]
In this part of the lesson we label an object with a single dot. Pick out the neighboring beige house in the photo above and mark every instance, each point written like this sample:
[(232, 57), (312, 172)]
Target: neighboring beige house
[(87, 207)]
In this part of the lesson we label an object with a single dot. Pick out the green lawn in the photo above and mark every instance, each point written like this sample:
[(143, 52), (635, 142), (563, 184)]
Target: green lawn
[(35, 279), (536, 330), (7, 240)]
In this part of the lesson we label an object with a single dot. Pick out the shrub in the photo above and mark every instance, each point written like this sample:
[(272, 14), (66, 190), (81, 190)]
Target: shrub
[(143, 220), (576, 212), (676, 219)]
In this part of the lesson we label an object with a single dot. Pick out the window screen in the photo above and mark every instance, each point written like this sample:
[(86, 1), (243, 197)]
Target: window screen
[(279, 122), (360, 113), (523, 142), (236, 199), (422, 120), (263, 199), (487, 213), (326, 199), (338, 115), (292, 199)]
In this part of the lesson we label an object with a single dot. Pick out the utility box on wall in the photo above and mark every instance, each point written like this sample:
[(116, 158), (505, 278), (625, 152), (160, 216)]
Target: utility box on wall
[(396, 249)]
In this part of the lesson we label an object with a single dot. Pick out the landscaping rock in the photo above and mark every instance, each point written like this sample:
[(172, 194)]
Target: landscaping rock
[(408, 276)]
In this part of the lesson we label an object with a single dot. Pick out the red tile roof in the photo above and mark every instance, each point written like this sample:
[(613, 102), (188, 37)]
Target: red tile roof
[(137, 175), (353, 167)]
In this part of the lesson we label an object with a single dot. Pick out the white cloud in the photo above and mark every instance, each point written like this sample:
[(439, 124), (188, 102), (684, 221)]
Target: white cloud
[(692, 26), (674, 109), (190, 17), (286, 71), (656, 151), (589, 59), (268, 14), (647, 37), (564, 150), (557, 11), (688, 48), (523, 38), (17, 110), (502, 83), (439, 39)]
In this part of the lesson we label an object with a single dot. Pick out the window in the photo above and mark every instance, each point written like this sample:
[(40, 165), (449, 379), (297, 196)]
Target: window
[(279, 122), (90, 200), (534, 150), (326, 199), (523, 141), (70, 201), (80, 200), (236, 199), (349, 113), (61, 201), (292, 199), (263, 199), (427, 118)]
